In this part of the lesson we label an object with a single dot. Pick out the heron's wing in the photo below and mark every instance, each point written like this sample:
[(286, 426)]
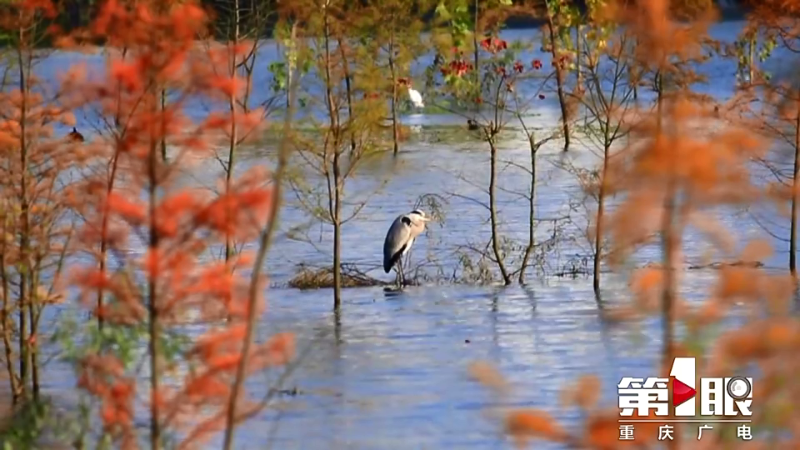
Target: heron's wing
[(396, 240)]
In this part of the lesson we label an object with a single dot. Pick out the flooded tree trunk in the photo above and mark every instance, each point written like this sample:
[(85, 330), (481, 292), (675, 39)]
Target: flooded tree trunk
[(392, 69), (562, 97), (601, 204), (334, 197), (476, 56), (233, 139), (531, 211), (493, 210), (793, 230), (24, 237), (337, 234)]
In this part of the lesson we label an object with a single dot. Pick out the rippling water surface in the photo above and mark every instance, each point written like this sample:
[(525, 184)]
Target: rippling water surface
[(390, 371)]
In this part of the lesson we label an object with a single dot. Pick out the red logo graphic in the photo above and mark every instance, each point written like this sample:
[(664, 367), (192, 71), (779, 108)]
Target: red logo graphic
[(681, 392)]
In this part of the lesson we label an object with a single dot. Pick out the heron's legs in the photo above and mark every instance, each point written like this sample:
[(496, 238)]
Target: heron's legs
[(397, 275), (407, 263), (401, 278)]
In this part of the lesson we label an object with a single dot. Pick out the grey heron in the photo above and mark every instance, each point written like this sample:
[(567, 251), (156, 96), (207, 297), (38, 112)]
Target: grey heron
[(400, 238)]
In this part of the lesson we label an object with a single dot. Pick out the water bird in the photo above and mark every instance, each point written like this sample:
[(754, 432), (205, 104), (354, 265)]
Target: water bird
[(414, 95), (400, 238), (75, 136), (472, 124)]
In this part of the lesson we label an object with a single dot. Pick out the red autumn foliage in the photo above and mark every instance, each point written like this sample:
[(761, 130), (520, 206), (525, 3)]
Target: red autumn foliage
[(35, 229), (493, 45)]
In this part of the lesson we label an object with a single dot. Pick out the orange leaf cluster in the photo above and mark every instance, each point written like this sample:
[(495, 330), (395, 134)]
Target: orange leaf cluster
[(104, 377), (206, 391), (134, 197)]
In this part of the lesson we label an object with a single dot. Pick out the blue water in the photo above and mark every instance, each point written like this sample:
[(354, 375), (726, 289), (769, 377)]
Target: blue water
[(391, 371)]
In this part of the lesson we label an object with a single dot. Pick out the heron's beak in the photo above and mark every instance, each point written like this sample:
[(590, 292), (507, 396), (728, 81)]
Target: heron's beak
[(427, 219)]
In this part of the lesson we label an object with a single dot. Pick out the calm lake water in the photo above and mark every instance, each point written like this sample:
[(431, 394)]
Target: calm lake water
[(391, 371)]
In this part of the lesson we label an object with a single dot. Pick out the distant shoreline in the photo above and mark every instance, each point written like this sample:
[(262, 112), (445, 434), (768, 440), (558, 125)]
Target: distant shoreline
[(730, 14)]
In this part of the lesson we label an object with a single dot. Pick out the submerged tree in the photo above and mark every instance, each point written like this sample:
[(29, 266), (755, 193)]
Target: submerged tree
[(560, 16), (240, 24), (676, 172), (391, 31), (349, 132), (500, 76), (608, 56)]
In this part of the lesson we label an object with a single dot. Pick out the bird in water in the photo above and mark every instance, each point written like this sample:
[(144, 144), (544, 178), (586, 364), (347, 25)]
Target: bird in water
[(400, 238), (415, 96), (472, 124), (75, 136)]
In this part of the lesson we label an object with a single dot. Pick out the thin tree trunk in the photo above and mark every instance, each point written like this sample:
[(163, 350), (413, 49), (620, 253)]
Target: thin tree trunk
[(578, 41), (333, 115), (349, 91), (562, 97), (493, 213), (337, 237), (531, 211), (109, 188), (751, 62), (668, 246), (33, 303), (476, 55), (395, 126), (337, 175), (669, 243), (6, 320), (152, 307), (163, 125), (25, 224), (599, 230), (232, 143), (265, 242), (793, 231)]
